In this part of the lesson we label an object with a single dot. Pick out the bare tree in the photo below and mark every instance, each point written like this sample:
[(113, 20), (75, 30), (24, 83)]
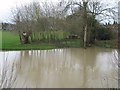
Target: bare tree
[(95, 9)]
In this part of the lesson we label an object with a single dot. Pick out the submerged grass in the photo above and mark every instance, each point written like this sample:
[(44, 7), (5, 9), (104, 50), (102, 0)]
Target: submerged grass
[(107, 43), (71, 43)]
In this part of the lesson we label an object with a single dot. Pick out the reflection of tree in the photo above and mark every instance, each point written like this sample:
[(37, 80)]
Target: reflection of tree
[(87, 58), (7, 73), (114, 61), (119, 67), (28, 67), (42, 63), (58, 66), (88, 61)]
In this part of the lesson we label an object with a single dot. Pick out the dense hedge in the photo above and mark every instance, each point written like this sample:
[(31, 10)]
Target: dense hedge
[(103, 33)]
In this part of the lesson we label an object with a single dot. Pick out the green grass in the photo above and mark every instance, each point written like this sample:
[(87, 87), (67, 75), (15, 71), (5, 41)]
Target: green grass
[(73, 43), (10, 41)]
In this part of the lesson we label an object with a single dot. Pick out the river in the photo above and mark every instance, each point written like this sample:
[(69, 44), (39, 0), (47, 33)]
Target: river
[(61, 68)]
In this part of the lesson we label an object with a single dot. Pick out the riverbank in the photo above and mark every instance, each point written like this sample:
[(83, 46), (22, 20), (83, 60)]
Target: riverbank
[(107, 43), (10, 41)]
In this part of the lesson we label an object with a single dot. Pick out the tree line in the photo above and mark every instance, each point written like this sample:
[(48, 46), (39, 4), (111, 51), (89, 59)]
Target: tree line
[(56, 22)]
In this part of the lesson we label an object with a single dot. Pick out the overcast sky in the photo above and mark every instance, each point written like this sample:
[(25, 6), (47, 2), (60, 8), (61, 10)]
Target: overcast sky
[(7, 5)]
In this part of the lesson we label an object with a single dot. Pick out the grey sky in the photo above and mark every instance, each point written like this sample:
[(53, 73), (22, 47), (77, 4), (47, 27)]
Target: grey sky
[(7, 5)]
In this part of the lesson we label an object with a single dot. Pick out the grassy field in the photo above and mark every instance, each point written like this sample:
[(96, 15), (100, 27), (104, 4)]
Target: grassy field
[(10, 41), (71, 43)]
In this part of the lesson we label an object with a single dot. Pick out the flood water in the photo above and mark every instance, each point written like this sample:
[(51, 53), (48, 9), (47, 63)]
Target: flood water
[(63, 68)]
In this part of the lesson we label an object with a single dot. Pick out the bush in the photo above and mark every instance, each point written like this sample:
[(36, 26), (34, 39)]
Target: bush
[(103, 33)]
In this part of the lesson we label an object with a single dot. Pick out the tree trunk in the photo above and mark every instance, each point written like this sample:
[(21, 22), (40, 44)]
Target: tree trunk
[(40, 35), (20, 36), (48, 37), (32, 37), (51, 36), (26, 40), (54, 36), (37, 36), (26, 37), (85, 23), (85, 36), (43, 36)]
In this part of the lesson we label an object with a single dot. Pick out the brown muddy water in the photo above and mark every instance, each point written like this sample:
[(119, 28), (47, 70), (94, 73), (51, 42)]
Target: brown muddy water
[(61, 68)]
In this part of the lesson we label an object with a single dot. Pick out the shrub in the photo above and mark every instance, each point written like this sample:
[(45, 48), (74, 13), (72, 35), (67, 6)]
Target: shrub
[(103, 33)]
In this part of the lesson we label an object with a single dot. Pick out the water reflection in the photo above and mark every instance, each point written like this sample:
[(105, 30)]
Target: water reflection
[(60, 68)]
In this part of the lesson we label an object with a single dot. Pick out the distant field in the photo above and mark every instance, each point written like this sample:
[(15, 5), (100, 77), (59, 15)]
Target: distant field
[(10, 41)]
